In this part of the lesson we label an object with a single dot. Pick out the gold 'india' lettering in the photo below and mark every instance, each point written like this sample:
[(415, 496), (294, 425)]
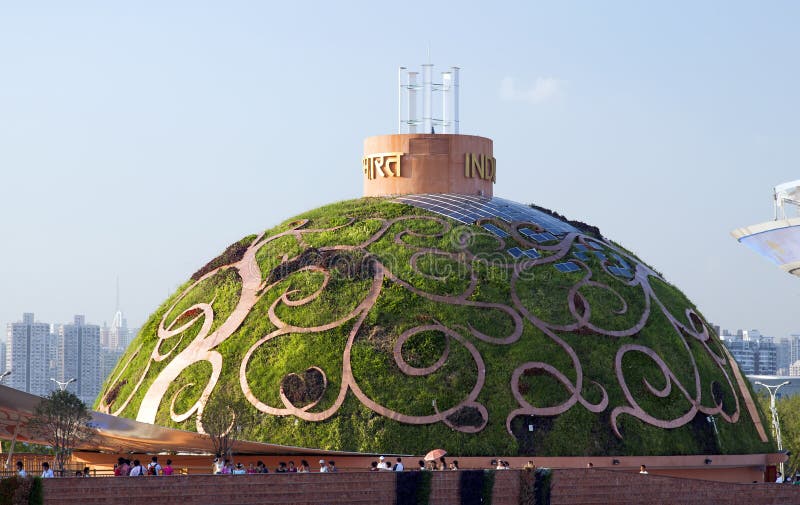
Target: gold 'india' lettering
[(480, 166), (381, 164)]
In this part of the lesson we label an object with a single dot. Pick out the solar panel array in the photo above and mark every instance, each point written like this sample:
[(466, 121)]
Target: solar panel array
[(494, 229), (539, 237), (516, 252), (622, 272), (621, 261), (468, 209), (567, 267), (532, 253)]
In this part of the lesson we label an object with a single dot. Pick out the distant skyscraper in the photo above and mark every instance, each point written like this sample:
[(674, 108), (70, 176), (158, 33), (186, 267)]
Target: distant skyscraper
[(79, 353), (29, 354), (118, 334), (783, 356), (118, 338), (2, 356)]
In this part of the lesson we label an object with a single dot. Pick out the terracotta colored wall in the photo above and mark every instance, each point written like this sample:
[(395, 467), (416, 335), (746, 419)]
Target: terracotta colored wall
[(430, 164), (569, 487), (354, 488), (601, 487)]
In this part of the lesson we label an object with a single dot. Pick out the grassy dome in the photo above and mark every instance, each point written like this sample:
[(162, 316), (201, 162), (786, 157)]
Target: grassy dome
[(376, 326)]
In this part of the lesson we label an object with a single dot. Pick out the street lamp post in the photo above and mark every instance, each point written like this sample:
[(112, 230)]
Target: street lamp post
[(62, 386), (776, 424)]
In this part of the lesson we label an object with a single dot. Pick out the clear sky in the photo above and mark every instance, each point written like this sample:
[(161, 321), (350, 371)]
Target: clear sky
[(139, 139)]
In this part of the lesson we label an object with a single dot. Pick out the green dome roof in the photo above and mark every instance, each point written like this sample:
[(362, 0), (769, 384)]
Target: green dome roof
[(378, 326)]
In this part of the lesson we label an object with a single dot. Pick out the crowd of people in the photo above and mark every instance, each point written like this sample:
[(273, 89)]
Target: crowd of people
[(47, 472), (224, 466), (127, 468), (780, 479)]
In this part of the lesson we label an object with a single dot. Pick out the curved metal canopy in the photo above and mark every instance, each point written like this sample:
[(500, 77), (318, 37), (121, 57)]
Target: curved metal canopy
[(121, 435)]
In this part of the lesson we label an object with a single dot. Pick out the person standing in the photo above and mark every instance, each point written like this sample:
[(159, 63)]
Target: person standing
[(47, 472), (21, 469), (168, 470), (323, 467), (643, 469), (398, 467), (137, 469), (153, 468)]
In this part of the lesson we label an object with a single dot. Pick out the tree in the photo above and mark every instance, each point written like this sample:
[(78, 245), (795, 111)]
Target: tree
[(789, 415), (227, 418), (63, 421)]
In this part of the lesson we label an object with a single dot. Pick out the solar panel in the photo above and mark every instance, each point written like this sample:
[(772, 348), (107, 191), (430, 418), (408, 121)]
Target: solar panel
[(567, 267), (532, 253), (468, 209), (494, 229), (515, 252), (581, 247), (621, 261), (543, 237), (622, 272), (600, 256), (581, 255)]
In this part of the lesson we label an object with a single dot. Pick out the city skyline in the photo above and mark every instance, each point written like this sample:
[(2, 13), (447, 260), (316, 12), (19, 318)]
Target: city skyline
[(664, 125)]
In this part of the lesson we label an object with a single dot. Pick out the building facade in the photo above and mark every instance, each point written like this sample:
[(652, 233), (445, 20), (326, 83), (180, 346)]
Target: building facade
[(30, 355), (755, 354), (79, 358)]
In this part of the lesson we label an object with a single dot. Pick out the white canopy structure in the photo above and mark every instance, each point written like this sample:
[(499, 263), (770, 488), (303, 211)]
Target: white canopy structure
[(778, 240), (787, 193)]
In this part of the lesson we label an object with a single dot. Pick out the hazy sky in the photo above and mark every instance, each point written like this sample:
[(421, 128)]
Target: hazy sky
[(139, 139)]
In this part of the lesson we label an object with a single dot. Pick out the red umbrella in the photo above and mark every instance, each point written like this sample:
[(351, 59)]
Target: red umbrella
[(435, 454)]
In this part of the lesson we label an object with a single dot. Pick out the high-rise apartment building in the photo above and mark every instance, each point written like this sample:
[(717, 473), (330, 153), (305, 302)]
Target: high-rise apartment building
[(29, 353), (755, 354), (784, 349), (79, 358), (2, 356)]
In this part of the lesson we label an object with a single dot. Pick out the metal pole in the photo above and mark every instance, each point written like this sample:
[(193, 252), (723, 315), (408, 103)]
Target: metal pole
[(412, 102), (776, 424), (427, 97), (454, 99), (400, 99), (13, 443), (447, 89)]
